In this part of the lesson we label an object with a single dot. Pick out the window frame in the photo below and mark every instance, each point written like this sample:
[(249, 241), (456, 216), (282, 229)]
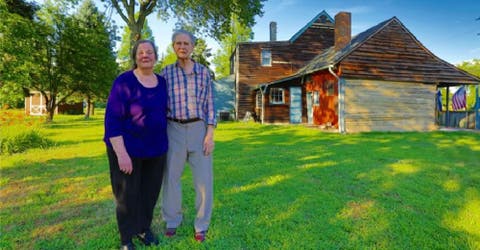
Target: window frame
[(275, 97), (330, 88), (263, 57), (315, 98)]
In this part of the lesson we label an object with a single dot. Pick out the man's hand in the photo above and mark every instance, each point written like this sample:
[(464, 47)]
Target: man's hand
[(208, 144)]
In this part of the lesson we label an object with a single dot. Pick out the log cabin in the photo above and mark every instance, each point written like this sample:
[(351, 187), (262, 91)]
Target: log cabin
[(383, 79), (256, 63)]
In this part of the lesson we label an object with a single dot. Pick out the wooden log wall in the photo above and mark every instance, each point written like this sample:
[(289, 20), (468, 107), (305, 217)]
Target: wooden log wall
[(287, 58), (389, 106)]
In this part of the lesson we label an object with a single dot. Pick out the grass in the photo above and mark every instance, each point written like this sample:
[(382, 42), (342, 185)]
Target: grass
[(276, 187)]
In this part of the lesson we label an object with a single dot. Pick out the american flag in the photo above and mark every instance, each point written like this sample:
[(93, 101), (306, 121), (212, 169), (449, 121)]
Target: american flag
[(459, 99)]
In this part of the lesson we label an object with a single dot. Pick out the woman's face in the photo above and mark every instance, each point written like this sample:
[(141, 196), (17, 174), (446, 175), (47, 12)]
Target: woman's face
[(183, 46), (145, 56)]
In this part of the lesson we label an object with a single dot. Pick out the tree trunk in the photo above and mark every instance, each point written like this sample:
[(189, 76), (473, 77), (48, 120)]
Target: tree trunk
[(135, 33), (87, 113), (51, 105)]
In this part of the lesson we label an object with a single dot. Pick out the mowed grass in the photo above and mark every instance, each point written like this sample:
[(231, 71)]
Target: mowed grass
[(276, 187)]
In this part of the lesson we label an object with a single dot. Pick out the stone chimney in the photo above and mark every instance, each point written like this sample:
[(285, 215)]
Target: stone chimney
[(343, 29), (273, 31)]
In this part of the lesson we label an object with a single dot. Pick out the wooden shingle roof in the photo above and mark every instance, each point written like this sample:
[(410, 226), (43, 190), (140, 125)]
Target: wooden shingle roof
[(388, 51), (322, 19)]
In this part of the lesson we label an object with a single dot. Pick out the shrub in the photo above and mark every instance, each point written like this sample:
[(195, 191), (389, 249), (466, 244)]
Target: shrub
[(11, 143)]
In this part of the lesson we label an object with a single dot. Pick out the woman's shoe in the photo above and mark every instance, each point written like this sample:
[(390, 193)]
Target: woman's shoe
[(147, 238), (128, 246)]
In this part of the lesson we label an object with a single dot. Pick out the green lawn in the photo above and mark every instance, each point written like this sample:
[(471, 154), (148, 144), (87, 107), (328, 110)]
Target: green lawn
[(276, 187)]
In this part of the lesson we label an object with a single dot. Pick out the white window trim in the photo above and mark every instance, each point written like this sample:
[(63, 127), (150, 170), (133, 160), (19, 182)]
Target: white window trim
[(261, 57), (258, 100)]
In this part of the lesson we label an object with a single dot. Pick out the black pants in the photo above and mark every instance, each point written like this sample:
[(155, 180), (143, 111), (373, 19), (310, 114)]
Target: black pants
[(135, 194)]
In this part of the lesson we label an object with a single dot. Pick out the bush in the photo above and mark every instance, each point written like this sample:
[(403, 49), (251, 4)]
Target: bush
[(16, 143)]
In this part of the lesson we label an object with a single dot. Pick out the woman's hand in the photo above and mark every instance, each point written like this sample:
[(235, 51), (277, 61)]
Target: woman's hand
[(125, 163)]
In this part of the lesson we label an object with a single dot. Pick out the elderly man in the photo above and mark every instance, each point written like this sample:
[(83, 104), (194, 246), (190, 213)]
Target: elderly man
[(191, 122)]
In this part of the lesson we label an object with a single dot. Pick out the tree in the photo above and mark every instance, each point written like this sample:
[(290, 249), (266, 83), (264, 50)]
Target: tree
[(55, 64), (207, 16), (123, 54), (472, 67), (166, 59), (22, 8), (56, 53), (201, 53), (95, 56), (16, 33), (238, 33)]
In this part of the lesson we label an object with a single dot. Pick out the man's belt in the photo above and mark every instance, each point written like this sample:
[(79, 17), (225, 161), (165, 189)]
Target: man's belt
[(184, 121)]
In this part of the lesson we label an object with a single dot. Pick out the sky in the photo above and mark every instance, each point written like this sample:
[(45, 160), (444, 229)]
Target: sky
[(448, 28)]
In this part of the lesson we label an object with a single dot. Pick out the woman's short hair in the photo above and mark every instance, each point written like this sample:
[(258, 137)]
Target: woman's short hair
[(180, 31), (135, 48)]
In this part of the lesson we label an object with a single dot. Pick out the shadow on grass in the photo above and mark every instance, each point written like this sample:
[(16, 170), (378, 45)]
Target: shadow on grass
[(380, 190), (58, 204), (275, 188)]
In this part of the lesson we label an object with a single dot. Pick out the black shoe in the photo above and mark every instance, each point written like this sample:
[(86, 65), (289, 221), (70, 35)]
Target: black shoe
[(128, 246), (148, 238)]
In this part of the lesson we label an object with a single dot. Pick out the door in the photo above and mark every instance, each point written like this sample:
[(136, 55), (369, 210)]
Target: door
[(295, 104), (309, 107)]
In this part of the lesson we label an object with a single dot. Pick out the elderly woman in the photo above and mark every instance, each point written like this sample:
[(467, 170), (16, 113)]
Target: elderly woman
[(136, 140)]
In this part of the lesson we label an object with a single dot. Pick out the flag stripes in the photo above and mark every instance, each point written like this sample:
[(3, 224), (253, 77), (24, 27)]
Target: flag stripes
[(459, 99)]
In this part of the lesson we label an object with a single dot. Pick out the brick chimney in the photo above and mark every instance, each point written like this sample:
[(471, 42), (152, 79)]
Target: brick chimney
[(343, 29), (273, 31)]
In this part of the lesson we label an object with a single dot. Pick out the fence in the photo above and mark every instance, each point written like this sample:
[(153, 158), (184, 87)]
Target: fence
[(457, 119)]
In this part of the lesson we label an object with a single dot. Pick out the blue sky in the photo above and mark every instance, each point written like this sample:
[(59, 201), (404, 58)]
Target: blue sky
[(447, 28)]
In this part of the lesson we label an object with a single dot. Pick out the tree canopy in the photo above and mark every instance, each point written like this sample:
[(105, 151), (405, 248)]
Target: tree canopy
[(56, 53), (472, 67), (17, 34), (205, 16), (239, 33), (95, 58), (123, 54)]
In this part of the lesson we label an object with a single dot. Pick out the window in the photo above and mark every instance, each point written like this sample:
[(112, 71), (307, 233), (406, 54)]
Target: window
[(276, 96), (266, 57), (330, 88), (316, 99)]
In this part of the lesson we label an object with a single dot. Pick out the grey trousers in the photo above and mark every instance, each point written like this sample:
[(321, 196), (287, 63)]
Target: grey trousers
[(186, 145)]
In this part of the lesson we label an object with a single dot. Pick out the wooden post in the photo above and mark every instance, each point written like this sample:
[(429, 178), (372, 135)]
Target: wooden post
[(466, 106), (447, 118), (477, 108)]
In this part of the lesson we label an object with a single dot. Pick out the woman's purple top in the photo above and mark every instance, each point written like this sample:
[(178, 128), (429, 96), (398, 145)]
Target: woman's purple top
[(139, 114)]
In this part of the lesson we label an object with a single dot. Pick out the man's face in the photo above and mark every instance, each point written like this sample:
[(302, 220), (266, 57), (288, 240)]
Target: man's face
[(183, 46)]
